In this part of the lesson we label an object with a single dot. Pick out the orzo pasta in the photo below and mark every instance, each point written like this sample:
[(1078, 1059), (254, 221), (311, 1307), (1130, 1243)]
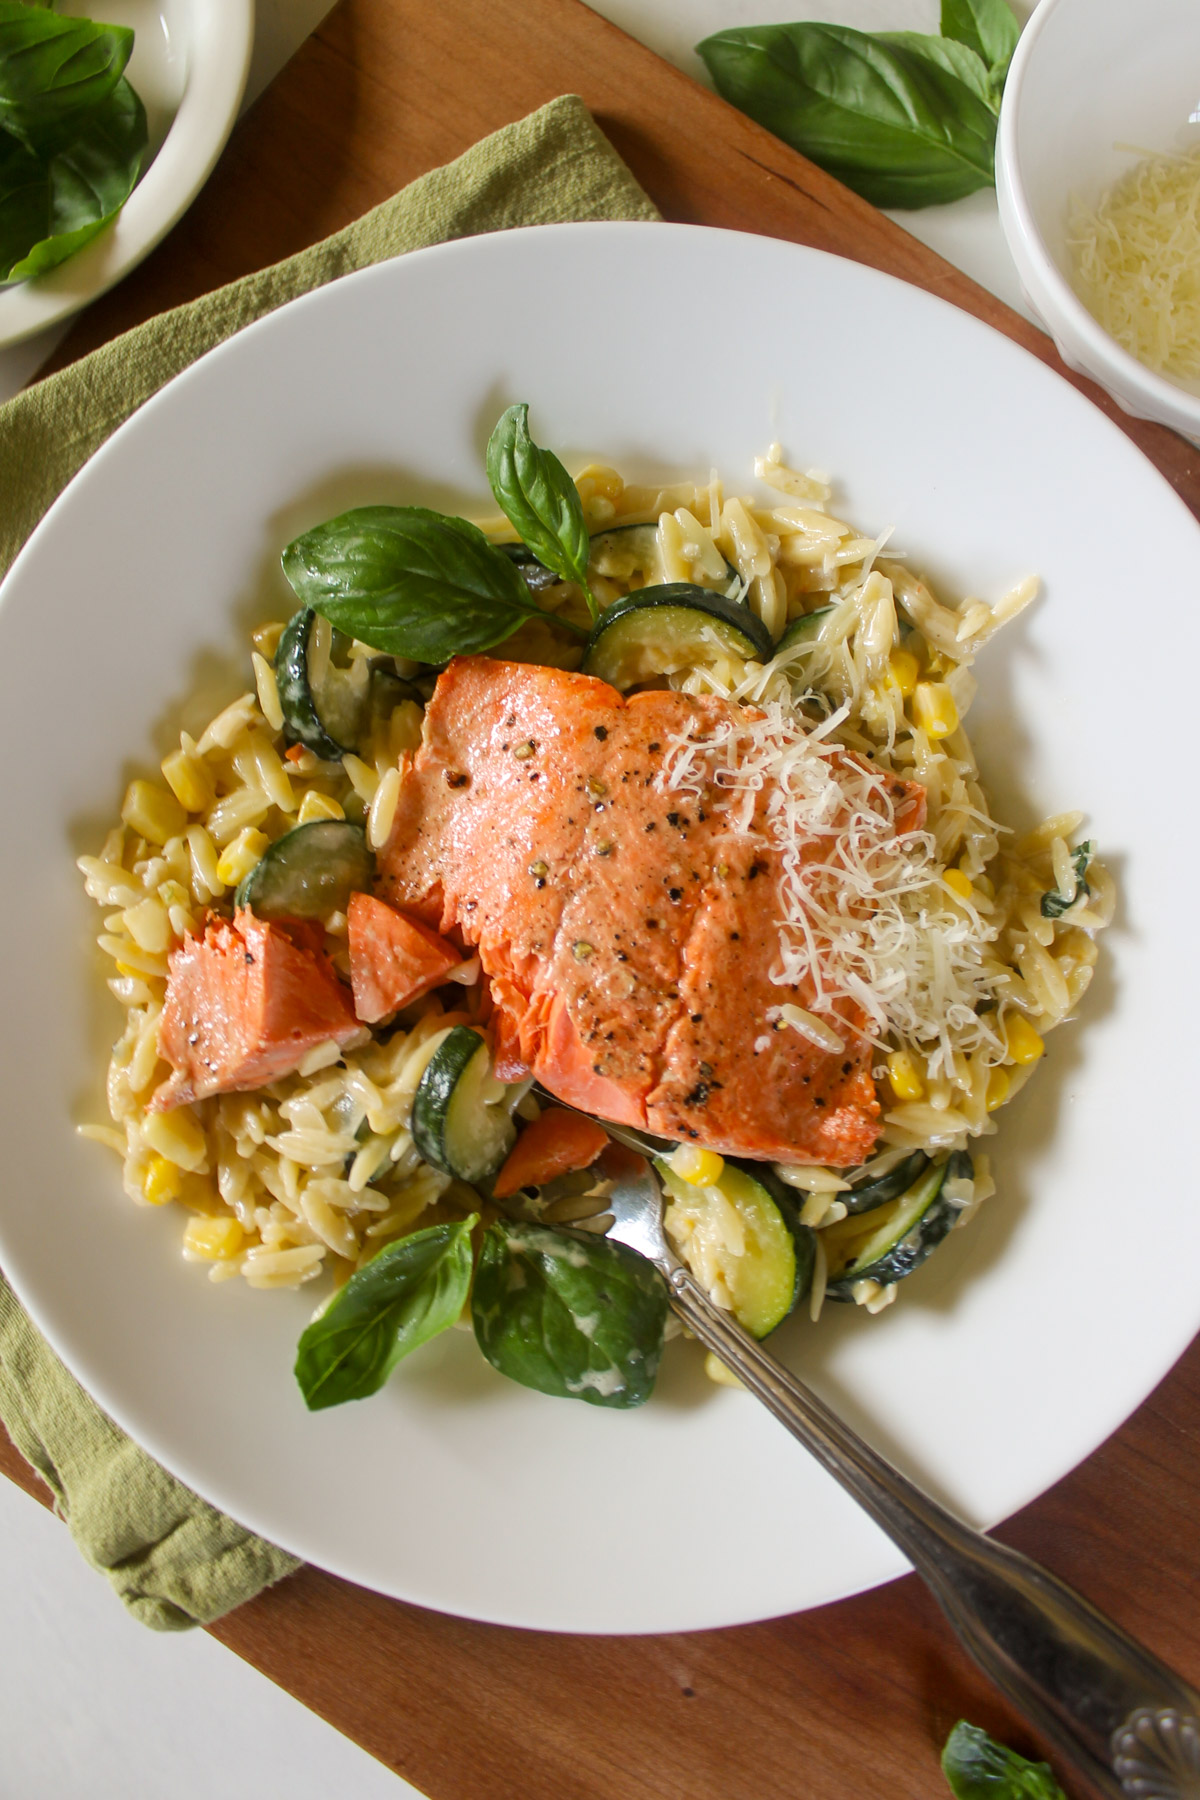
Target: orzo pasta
[(814, 693)]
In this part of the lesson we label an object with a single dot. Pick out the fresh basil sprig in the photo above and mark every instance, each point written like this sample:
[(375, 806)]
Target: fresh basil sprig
[(978, 1768), (53, 69), (411, 582), (904, 118), (538, 498), (55, 201), (569, 1314), (406, 1295)]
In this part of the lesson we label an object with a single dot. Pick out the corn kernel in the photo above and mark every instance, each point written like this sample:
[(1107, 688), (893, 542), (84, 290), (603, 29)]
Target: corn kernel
[(178, 1136), (997, 1090), (152, 812), (318, 806), (190, 780), (904, 1077), (212, 1240), (163, 1183), (719, 1372), (958, 883), (1024, 1044), (903, 670), (245, 853), (699, 1168), (934, 709)]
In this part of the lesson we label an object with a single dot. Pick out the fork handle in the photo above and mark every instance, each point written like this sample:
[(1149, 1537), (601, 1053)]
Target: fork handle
[(1126, 1720)]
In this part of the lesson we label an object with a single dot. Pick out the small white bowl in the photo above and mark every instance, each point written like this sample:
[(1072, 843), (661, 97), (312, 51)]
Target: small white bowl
[(189, 64), (1087, 76)]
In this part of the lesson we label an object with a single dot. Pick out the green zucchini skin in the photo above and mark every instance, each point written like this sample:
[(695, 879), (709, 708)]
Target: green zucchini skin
[(657, 630), (889, 1187), (920, 1228), (535, 575), (802, 630), (804, 1238), (770, 1278), (452, 1128), (309, 872), (301, 720)]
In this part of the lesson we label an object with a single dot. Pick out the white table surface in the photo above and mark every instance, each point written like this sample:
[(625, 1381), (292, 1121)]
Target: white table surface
[(92, 1705)]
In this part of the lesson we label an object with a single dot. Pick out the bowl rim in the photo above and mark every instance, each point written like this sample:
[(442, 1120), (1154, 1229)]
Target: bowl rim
[(219, 46), (1136, 388)]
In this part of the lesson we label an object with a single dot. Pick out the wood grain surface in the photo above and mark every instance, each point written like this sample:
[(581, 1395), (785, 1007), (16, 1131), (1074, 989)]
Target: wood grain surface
[(849, 1700)]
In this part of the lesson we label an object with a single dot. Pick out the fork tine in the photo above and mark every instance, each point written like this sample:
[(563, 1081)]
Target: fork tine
[(636, 1203)]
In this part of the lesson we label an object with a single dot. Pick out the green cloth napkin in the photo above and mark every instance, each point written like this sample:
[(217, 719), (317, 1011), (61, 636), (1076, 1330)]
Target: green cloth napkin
[(171, 1557)]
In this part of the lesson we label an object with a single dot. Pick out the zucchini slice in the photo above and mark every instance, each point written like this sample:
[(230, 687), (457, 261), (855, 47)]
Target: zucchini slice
[(749, 1237), (659, 630), (630, 553), (626, 553), (803, 630), (910, 1231), (535, 575), (454, 1126), (309, 872), (888, 1187), (388, 689), (324, 707)]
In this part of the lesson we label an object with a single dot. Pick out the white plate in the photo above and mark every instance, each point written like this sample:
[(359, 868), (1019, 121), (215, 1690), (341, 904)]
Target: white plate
[(1030, 1336), (189, 65)]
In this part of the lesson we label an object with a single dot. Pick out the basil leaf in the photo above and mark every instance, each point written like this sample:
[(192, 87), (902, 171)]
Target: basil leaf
[(569, 1314), (406, 1295), (989, 27), (1055, 902), (897, 127), (411, 582), (52, 68), (978, 1768), (55, 202), (955, 60), (539, 499)]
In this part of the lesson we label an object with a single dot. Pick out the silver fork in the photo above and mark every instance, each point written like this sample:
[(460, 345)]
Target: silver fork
[(1126, 1720)]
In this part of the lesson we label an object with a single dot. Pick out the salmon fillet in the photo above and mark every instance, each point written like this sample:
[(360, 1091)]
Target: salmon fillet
[(627, 934), (246, 1002)]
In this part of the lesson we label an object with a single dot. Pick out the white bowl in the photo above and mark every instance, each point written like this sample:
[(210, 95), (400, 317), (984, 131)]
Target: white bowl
[(1088, 76), (189, 64), (1027, 1338)]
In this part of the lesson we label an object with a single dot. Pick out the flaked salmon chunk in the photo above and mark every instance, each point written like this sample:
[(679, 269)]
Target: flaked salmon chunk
[(628, 933), (246, 1001)]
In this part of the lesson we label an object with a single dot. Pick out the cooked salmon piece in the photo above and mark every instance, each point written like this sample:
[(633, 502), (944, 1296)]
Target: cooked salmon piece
[(393, 959), (246, 1002), (628, 932)]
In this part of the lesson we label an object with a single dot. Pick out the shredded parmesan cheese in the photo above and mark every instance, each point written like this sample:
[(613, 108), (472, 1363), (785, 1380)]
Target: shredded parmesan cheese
[(866, 916), (1137, 262)]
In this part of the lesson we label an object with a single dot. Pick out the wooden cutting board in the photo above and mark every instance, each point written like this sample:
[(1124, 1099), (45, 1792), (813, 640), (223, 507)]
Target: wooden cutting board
[(850, 1700)]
